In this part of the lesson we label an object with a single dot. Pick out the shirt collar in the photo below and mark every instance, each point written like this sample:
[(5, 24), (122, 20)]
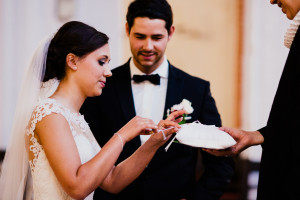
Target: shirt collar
[(162, 70)]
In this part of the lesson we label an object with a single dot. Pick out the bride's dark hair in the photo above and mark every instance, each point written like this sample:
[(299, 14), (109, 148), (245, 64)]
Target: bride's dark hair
[(73, 37)]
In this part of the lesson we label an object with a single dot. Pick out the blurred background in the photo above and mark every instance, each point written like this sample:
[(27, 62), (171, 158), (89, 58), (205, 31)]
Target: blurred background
[(237, 45)]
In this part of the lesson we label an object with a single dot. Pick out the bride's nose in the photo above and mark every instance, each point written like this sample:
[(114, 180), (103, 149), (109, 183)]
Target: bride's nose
[(107, 72)]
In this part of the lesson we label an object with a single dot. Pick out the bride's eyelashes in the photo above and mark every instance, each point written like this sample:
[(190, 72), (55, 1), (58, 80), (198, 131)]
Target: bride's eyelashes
[(101, 62)]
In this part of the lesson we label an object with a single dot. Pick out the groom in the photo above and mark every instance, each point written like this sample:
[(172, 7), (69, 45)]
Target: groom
[(171, 174)]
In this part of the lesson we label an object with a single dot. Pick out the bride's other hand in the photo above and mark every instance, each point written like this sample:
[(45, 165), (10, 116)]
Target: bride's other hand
[(167, 127), (176, 116), (137, 126), (162, 135)]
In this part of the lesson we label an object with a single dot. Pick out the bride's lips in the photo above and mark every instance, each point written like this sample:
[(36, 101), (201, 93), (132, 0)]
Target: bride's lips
[(102, 83)]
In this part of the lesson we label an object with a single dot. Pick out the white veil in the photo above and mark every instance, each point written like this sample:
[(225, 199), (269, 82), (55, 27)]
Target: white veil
[(14, 177)]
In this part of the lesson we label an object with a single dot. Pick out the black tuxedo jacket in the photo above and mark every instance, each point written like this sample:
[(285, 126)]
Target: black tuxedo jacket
[(280, 166), (171, 174)]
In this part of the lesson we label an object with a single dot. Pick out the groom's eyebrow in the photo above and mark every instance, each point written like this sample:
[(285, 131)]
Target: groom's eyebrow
[(139, 34)]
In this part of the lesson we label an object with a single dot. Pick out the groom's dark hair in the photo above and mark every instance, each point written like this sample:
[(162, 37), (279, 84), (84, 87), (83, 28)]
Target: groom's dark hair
[(153, 9)]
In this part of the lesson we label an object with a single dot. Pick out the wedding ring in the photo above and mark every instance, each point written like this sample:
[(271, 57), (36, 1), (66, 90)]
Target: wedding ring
[(150, 131)]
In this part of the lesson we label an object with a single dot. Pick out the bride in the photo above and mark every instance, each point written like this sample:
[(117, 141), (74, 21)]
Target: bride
[(52, 137)]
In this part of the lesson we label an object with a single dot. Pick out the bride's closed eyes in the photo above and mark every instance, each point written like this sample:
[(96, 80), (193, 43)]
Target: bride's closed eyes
[(103, 61)]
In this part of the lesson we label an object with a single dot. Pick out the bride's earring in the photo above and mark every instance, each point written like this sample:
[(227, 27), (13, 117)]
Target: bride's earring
[(74, 67), (71, 61)]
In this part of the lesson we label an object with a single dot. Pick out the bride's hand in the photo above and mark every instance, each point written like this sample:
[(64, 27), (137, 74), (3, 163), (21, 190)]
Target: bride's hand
[(172, 120), (176, 116), (137, 126), (167, 127)]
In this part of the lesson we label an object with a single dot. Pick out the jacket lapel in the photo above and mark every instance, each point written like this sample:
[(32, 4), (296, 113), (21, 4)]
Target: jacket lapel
[(123, 89), (124, 93), (174, 89)]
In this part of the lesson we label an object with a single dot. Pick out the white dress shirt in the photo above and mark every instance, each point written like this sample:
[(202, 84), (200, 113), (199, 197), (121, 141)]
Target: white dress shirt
[(149, 99)]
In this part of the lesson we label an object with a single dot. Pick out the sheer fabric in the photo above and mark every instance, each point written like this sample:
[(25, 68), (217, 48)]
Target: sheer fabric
[(15, 181), (45, 183)]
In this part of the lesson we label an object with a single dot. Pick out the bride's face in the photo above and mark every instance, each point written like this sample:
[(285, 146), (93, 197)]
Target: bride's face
[(289, 7), (93, 70)]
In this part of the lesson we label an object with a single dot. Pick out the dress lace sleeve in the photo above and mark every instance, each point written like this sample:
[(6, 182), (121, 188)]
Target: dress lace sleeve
[(43, 109), (78, 126), (45, 183)]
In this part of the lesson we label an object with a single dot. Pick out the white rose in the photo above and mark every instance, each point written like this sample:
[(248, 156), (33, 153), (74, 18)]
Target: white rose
[(176, 107), (184, 105), (187, 106)]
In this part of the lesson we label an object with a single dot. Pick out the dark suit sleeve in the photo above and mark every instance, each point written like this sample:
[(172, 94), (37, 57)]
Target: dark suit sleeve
[(263, 131), (218, 170)]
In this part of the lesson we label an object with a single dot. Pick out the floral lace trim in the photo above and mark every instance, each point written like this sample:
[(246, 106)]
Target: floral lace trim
[(48, 88), (46, 107), (292, 30)]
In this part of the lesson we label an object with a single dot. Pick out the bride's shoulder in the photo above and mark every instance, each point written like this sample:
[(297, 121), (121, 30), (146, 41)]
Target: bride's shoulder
[(46, 107)]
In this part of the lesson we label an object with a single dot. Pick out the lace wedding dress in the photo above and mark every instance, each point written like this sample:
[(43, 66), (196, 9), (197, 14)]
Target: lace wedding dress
[(45, 183)]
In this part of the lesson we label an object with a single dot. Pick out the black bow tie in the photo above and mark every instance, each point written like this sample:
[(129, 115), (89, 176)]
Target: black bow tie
[(153, 78)]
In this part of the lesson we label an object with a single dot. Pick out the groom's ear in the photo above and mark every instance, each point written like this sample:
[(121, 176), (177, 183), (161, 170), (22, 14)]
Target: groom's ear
[(71, 61), (127, 29)]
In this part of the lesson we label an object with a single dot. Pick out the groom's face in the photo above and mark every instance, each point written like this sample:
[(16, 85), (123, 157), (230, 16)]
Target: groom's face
[(148, 40)]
